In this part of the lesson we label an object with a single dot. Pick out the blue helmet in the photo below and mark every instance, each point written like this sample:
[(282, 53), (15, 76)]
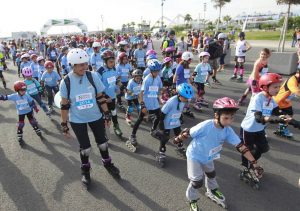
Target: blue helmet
[(152, 56), (154, 65), (185, 90)]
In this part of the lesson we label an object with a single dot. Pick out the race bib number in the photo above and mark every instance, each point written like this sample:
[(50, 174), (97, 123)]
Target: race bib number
[(175, 119), (137, 90), (84, 101), (153, 91), (267, 109), (125, 72), (53, 54), (22, 105), (111, 80), (31, 88), (186, 73), (240, 59), (48, 79), (99, 63), (215, 153), (140, 60)]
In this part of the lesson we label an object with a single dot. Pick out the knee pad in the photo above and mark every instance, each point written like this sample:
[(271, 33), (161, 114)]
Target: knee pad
[(103, 147), (201, 92), (114, 112), (130, 109), (20, 125), (197, 184), (85, 152), (211, 175)]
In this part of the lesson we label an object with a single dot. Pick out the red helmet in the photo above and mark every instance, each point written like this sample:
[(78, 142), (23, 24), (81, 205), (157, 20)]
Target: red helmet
[(225, 103), (18, 85), (49, 64), (268, 79), (107, 54), (122, 56)]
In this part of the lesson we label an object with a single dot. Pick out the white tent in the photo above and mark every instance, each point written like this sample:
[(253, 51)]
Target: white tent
[(63, 22)]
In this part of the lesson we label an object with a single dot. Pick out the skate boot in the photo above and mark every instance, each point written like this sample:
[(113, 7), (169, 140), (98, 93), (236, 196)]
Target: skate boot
[(249, 176), (181, 151), (216, 81), (128, 120), (38, 132), (121, 107), (110, 167), (189, 113), (117, 130), (203, 103), (50, 108), (161, 159), (194, 206), (283, 131), (240, 79), (207, 84), (197, 107), (132, 143), (233, 77), (85, 172), (48, 113), (217, 196), (20, 140)]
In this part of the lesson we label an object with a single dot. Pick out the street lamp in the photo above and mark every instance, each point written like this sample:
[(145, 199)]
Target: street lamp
[(162, 15), (204, 10), (102, 21)]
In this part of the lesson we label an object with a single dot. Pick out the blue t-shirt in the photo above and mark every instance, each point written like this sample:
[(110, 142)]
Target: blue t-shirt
[(84, 107), (258, 103), (41, 69), (89, 51), (167, 73), (146, 72), (23, 103), (32, 86), (139, 55), (50, 79), (173, 109), (183, 75), (52, 53), (151, 87), (35, 69), (134, 88), (124, 71), (64, 62), (24, 64), (208, 141), (109, 79), (96, 60), (202, 70)]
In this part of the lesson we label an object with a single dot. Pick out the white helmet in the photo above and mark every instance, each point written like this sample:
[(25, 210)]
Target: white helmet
[(96, 45), (123, 42), (50, 42), (77, 56), (40, 58), (187, 56), (222, 36), (204, 53), (25, 55)]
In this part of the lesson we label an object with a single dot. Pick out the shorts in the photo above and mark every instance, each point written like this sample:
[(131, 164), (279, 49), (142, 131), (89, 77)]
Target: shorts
[(200, 86), (284, 111), (236, 58), (222, 62), (214, 63)]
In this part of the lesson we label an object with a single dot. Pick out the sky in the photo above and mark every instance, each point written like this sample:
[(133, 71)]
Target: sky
[(31, 15)]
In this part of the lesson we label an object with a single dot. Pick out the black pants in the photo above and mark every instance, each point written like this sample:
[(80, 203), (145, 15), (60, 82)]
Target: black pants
[(256, 142), (112, 109), (156, 112), (166, 136), (31, 120), (123, 87)]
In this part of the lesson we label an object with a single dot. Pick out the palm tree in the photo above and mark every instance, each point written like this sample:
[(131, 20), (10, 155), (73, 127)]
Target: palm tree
[(187, 19), (219, 4), (132, 23), (283, 32), (227, 18)]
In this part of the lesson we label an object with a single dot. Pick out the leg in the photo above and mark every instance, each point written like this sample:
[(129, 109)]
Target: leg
[(33, 123), (38, 99), (156, 112), (195, 174), (20, 125), (49, 95), (248, 139), (137, 123), (261, 144)]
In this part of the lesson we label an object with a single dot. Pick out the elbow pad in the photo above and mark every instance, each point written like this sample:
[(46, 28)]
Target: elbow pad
[(244, 150), (65, 107), (259, 117)]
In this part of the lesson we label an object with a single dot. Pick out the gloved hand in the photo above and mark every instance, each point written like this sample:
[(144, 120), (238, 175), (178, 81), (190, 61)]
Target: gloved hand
[(3, 97), (107, 118)]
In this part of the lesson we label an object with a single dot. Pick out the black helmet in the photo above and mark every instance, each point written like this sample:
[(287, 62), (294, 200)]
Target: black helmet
[(171, 32), (241, 34), (137, 72)]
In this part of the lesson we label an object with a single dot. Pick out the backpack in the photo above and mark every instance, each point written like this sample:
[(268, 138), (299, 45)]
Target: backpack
[(88, 75), (215, 50)]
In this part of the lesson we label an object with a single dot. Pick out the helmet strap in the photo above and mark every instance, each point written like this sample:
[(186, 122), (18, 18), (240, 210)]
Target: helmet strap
[(219, 119)]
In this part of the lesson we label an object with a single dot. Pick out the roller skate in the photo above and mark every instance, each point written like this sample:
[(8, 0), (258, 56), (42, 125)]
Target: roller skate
[(85, 172), (216, 81), (197, 107), (110, 167), (181, 152), (207, 84), (217, 197), (161, 159), (189, 113), (240, 79), (121, 107), (21, 140), (203, 102), (233, 77), (248, 175), (284, 132), (48, 114), (194, 206), (38, 132), (50, 108), (118, 131), (132, 143)]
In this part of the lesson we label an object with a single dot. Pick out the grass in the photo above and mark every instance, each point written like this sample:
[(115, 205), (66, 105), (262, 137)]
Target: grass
[(256, 35)]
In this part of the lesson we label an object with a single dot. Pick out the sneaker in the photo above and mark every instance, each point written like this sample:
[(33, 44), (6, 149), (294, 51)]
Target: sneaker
[(233, 77), (217, 193), (194, 206)]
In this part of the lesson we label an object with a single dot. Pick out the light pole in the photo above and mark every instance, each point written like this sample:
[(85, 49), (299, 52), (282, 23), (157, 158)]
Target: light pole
[(204, 10), (162, 15), (102, 21)]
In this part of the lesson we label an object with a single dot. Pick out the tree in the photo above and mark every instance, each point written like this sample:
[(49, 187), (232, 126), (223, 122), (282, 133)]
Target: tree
[(219, 4), (227, 18), (283, 32), (188, 18), (132, 23), (109, 30), (123, 26)]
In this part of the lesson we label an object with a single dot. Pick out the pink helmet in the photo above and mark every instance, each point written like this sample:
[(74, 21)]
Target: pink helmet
[(169, 49), (225, 103), (167, 59), (40, 58), (30, 52), (151, 52), (202, 54), (27, 72)]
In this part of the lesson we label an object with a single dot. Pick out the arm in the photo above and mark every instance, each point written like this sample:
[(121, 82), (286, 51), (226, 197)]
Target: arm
[(271, 119), (256, 71), (248, 46)]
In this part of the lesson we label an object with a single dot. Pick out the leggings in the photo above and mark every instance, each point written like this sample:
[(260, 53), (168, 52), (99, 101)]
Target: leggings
[(156, 112)]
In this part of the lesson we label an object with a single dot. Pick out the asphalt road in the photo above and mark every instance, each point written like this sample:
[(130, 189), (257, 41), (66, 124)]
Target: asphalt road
[(45, 175)]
